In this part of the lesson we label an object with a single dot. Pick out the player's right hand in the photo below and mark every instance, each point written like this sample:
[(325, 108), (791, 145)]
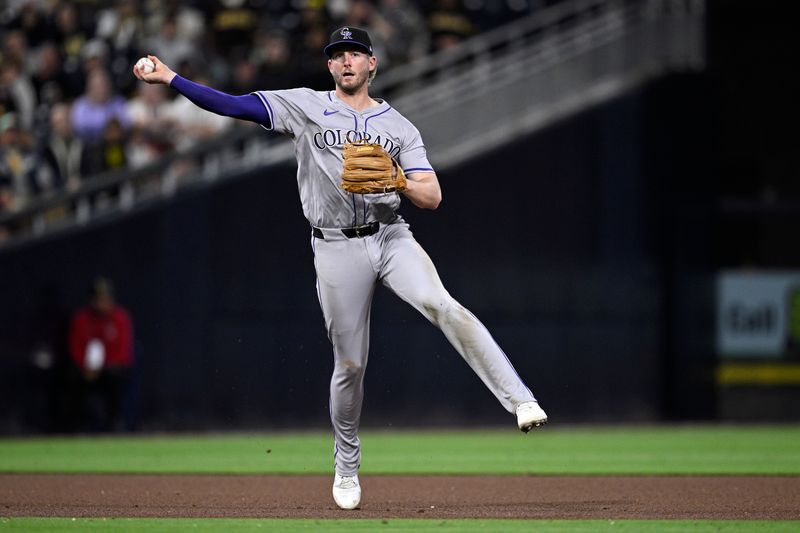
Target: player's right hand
[(161, 74)]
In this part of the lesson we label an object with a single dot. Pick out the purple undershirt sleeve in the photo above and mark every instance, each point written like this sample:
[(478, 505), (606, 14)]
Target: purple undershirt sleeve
[(245, 107)]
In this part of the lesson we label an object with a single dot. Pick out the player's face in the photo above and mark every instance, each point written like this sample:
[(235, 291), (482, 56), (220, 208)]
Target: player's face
[(350, 69)]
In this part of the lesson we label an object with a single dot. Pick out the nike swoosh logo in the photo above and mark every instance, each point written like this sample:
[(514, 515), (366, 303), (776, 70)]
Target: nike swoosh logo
[(328, 113)]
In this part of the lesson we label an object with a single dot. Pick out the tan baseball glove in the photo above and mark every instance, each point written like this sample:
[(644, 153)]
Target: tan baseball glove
[(369, 169)]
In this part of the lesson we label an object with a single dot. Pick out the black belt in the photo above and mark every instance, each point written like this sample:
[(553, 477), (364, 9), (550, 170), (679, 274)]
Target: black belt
[(357, 231)]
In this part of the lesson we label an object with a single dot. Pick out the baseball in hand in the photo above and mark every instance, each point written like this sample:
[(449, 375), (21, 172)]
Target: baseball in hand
[(145, 65)]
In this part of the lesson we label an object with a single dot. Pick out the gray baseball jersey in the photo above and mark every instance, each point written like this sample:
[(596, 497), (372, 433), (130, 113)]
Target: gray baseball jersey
[(320, 124), (348, 269)]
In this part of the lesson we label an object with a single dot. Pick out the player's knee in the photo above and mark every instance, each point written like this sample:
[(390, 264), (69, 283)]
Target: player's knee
[(349, 368)]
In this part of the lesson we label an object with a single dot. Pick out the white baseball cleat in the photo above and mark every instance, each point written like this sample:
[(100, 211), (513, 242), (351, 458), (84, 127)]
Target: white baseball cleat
[(346, 491), (530, 415)]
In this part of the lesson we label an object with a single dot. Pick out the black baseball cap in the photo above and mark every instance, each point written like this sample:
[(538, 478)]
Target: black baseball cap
[(348, 36)]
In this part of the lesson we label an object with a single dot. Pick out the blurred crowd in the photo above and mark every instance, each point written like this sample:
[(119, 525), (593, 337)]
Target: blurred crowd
[(71, 108)]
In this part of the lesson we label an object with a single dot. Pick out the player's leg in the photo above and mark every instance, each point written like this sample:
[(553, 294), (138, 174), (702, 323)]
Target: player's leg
[(345, 286), (409, 272)]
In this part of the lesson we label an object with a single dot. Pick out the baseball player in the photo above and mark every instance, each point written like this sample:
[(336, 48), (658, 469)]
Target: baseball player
[(359, 240)]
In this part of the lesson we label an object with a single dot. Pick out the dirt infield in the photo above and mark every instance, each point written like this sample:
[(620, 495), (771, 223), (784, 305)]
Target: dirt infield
[(551, 497)]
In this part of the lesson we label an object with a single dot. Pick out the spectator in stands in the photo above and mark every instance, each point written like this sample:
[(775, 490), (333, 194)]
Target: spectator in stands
[(15, 50), (448, 24), (313, 15), (101, 347), (8, 103), (313, 72), (170, 43), (94, 56), (49, 81), (71, 37), (150, 115), (409, 37), (191, 66), (121, 26), (244, 77), (234, 24), (63, 153), (94, 110), (110, 152), (189, 22), (273, 58), (17, 93), (33, 22), (18, 162)]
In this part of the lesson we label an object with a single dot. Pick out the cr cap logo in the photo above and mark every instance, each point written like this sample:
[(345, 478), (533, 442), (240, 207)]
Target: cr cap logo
[(346, 33)]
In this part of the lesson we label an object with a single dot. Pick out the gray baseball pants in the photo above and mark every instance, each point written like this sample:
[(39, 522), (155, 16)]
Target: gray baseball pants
[(347, 273)]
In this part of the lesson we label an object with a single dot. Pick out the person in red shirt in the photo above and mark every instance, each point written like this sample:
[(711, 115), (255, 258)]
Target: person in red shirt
[(101, 346)]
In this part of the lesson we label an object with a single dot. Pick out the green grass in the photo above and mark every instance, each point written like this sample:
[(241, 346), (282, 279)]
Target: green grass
[(579, 450), (542, 526)]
